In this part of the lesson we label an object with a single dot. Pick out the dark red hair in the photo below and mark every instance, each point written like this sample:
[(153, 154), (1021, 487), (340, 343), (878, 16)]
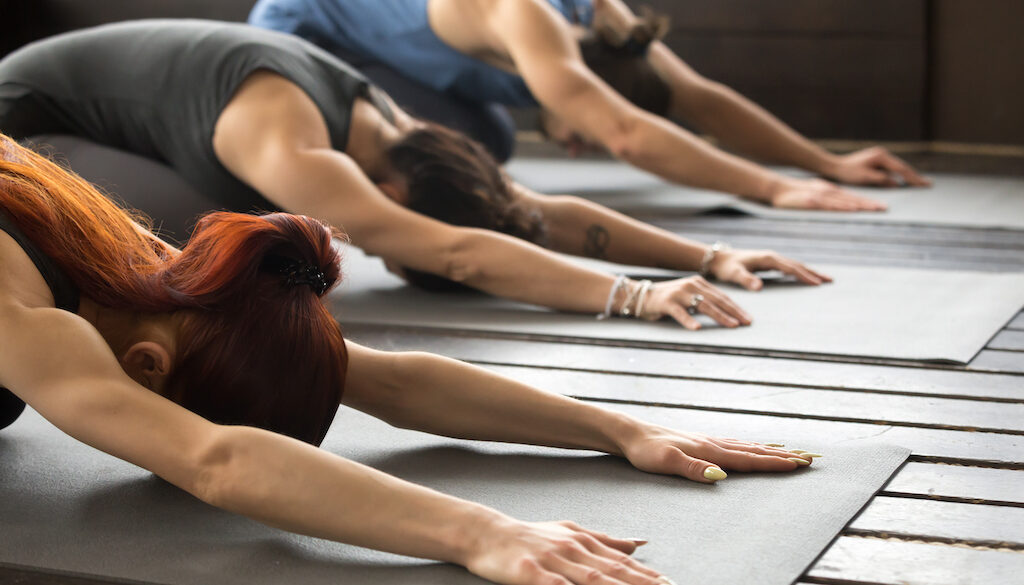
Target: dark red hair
[(256, 347)]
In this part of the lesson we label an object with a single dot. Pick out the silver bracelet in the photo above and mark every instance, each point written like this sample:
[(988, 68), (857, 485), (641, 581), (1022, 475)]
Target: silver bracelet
[(619, 280), (709, 257), (631, 298), (645, 287)]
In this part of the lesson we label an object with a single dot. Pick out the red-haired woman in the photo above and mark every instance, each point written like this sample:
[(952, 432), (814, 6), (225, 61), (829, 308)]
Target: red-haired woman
[(600, 78), (255, 119), (204, 366)]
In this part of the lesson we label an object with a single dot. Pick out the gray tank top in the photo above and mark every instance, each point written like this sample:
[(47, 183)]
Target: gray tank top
[(157, 87)]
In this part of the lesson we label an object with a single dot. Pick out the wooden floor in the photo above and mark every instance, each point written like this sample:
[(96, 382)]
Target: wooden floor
[(953, 515)]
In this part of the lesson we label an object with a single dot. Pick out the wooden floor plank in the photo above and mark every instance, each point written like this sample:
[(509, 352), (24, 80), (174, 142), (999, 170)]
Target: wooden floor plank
[(997, 360), (866, 560), (803, 402), (987, 449), (1008, 339), (995, 526), (959, 482), (697, 365)]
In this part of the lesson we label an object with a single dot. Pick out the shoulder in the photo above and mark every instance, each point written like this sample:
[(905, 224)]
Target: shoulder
[(21, 284)]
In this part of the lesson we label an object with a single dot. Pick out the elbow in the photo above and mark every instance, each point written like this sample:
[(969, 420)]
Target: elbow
[(627, 138), (463, 261), (212, 477)]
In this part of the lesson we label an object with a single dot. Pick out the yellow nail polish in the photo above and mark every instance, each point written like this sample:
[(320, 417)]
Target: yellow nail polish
[(811, 455), (774, 445), (714, 474), (797, 451), (800, 461)]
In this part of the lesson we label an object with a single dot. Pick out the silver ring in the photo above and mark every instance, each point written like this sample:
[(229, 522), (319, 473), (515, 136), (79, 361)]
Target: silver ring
[(694, 303)]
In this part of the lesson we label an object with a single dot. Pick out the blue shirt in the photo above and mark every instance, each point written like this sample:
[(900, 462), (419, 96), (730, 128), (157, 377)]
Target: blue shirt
[(398, 34)]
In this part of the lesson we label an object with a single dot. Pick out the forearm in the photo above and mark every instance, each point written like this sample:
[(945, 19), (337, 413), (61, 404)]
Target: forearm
[(512, 268), (660, 147), (584, 228), (296, 487), (734, 120), (446, 397)]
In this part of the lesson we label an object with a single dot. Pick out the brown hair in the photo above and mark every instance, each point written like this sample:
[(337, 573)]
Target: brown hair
[(256, 347), (620, 59), (454, 179)]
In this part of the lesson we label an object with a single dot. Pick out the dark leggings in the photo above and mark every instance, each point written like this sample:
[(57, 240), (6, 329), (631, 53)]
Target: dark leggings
[(10, 408), (490, 124)]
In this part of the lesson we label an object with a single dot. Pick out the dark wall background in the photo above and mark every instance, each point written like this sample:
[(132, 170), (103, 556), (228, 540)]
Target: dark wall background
[(948, 70), (912, 70)]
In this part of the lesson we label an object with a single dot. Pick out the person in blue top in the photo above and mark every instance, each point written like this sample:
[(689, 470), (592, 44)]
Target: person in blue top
[(600, 77)]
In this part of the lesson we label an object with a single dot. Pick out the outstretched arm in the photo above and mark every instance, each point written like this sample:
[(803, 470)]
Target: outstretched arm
[(541, 44), (739, 123), (275, 140), (584, 228), (442, 396), (277, 480)]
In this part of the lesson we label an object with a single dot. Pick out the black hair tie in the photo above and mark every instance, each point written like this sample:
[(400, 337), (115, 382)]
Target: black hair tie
[(298, 273)]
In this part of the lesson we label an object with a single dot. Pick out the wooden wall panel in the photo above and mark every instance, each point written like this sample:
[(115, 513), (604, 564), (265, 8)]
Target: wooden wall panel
[(830, 68), (978, 71)]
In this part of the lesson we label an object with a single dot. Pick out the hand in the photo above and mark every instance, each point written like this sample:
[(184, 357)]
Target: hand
[(702, 458), (738, 265), (819, 194), (556, 553), (874, 166), (676, 297)]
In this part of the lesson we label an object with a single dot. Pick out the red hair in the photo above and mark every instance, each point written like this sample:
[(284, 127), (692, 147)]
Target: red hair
[(255, 347)]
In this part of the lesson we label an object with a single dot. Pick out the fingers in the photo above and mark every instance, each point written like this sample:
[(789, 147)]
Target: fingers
[(720, 302), (692, 468), (794, 268), (898, 166), (836, 199), (678, 313), (586, 561), (747, 279)]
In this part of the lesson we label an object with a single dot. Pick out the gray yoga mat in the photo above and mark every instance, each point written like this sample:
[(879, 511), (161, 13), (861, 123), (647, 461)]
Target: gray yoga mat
[(67, 507), (925, 315), (954, 200)]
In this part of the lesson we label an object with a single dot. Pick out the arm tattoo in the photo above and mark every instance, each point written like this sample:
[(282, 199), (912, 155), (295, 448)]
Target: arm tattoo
[(596, 243)]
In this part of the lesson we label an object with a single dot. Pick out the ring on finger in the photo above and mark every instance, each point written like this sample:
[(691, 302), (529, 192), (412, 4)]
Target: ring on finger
[(694, 303)]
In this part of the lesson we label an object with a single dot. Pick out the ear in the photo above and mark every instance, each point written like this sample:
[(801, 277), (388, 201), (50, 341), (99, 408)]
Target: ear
[(394, 192), (148, 363)]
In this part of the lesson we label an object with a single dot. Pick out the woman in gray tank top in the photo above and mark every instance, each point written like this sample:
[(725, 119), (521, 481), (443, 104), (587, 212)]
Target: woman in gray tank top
[(204, 365), (254, 119)]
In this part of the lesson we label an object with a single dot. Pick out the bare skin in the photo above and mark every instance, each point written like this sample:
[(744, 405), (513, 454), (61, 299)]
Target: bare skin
[(532, 39), (272, 136), (97, 376)]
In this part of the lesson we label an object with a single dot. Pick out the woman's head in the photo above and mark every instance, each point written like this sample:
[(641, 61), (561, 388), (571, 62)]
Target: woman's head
[(253, 342), (451, 178)]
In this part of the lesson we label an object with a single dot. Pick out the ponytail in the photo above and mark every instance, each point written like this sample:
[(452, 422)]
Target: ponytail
[(256, 345)]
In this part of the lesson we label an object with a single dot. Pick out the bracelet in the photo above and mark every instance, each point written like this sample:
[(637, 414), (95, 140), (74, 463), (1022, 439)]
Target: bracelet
[(645, 287), (709, 257), (631, 298), (619, 280)]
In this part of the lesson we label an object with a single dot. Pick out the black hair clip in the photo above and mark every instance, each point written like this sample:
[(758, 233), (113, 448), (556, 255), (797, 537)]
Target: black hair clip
[(297, 272)]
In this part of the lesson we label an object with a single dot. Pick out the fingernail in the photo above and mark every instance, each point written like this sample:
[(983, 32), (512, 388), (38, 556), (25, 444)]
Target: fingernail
[(797, 451), (714, 474), (811, 455), (667, 581), (637, 541), (774, 445), (799, 461)]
